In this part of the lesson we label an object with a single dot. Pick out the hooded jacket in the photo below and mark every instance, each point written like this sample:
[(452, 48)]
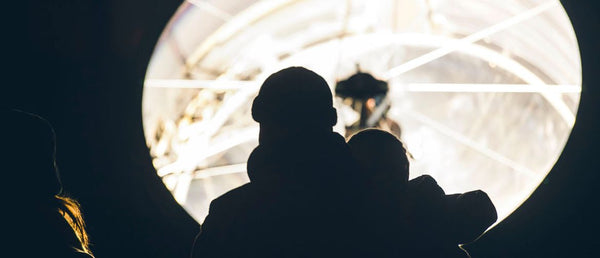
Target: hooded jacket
[(299, 203)]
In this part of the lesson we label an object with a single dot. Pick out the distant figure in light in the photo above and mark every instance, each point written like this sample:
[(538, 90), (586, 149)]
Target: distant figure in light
[(304, 190), (415, 218), (368, 97), (39, 219)]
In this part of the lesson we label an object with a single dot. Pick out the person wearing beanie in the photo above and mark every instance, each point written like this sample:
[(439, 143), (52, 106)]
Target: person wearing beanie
[(303, 189)]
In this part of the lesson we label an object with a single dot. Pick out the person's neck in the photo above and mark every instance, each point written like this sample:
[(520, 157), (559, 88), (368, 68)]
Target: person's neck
[(273, 134)]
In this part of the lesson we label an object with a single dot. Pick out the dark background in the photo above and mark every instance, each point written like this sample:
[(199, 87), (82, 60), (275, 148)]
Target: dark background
[(81, 64)]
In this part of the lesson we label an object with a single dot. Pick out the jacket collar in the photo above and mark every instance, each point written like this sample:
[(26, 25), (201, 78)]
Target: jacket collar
[(306, 158)]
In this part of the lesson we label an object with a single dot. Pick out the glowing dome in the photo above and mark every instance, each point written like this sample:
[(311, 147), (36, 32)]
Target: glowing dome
[(485, 91)]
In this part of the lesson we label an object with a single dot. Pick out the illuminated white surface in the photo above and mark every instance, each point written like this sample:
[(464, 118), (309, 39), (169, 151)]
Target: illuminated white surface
[(486, 92)]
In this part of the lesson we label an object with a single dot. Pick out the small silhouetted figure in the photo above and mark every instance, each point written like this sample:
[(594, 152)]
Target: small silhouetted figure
[(368, 97), (303, 192), (415, 218), (38, 219)]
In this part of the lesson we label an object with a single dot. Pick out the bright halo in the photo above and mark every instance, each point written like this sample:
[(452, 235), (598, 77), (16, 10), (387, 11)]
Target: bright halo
[(485, 92)]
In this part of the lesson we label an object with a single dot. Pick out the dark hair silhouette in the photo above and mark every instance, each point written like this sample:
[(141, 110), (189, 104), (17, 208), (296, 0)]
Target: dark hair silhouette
[(44, 208), (382, 155)]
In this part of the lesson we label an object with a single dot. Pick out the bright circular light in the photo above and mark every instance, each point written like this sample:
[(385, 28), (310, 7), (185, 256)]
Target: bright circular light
[(486, 92)]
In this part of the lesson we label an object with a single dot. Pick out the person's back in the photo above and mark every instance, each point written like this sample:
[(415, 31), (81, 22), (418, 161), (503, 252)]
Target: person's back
[(415, 218), (39, 220), (302, 180)]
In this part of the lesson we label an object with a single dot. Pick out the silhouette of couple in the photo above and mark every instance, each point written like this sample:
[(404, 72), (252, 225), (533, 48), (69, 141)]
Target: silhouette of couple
[(312, 194)]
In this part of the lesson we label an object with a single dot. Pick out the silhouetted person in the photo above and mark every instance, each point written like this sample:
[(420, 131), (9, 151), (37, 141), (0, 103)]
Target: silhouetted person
[(303, 189), (368, 97), (38, 219), (415, 218)]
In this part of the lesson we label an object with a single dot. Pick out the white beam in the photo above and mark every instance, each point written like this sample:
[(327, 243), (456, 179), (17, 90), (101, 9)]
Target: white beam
[(484, 150), (219, 171), (453, 46), (489, 87)]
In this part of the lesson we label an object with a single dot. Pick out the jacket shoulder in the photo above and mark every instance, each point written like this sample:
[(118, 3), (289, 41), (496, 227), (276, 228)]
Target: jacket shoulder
[(236, 195)]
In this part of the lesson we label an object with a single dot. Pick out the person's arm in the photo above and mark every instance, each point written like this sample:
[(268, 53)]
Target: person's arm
[(470, 213), (425, 207)]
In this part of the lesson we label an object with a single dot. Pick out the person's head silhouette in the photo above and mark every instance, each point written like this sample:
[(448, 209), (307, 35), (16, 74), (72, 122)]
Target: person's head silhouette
[(30, 162), (381, 154), (293, 101), (51, 219)]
